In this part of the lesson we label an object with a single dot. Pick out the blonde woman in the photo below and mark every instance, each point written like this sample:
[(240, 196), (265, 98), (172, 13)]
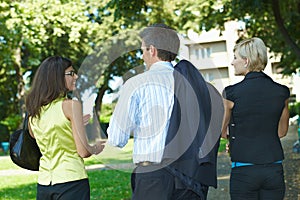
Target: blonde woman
[(256, 112)]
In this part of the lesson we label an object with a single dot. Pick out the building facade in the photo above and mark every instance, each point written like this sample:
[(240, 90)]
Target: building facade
[(212, 53)]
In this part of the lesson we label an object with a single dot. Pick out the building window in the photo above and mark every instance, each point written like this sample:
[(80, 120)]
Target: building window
[(202, 53), (209, 77)]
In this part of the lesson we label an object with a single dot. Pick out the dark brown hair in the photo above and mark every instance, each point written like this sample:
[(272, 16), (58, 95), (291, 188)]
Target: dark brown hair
[(48, 84)]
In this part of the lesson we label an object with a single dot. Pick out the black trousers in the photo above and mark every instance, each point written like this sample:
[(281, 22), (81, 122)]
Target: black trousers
[(74, 190), (150, 183), (257, 182)]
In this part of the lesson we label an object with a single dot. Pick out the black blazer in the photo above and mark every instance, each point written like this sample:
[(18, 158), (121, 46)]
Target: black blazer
[(195, 126), (253, 130)]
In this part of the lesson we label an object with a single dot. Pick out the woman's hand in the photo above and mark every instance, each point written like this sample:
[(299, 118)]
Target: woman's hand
[(86, 119)]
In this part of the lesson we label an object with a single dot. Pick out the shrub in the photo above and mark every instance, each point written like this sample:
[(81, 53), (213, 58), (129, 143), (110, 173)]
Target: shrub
[(4, 133), (294, 109)]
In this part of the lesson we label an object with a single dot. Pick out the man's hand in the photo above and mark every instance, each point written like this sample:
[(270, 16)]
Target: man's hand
[(98, 147)]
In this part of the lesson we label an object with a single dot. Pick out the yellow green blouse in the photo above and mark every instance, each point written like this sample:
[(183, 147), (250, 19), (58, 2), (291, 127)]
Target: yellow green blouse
[(60, 161)]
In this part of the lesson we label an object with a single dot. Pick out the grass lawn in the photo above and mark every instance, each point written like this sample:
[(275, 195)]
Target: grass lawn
[(105, 184), (222, 146)]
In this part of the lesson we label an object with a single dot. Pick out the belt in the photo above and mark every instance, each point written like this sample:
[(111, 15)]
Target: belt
[(146, 163), (241, 164)]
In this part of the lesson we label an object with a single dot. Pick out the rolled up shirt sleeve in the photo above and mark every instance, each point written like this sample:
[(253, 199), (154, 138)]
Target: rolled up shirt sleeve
[(123, 120)]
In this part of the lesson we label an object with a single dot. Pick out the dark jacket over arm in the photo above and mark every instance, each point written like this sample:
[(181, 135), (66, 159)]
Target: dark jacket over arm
[(193, 137)]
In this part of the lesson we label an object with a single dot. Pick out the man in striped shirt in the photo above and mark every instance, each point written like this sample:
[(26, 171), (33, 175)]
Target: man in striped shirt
[(144, 109)]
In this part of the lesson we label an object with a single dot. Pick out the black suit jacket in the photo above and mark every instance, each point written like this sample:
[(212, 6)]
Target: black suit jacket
[(195, 126)]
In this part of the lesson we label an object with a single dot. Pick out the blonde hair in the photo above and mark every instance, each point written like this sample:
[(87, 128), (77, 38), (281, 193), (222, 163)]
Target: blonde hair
[(255, 50)]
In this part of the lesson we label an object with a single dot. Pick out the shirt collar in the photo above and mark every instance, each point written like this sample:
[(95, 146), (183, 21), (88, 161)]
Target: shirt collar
[(161, 65), (255, 74)]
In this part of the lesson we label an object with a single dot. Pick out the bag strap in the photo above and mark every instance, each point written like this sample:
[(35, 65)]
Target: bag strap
[(25, 122)]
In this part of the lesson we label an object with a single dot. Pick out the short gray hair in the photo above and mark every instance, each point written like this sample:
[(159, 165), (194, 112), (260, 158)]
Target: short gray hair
[(163, 38)]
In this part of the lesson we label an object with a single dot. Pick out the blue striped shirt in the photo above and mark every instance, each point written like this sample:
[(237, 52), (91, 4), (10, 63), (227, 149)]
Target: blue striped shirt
[(144, 109)]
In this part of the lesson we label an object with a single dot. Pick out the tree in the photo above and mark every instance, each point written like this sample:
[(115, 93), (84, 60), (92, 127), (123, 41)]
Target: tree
[(66, 28), (60, 28), (276, 22), (90, 32)]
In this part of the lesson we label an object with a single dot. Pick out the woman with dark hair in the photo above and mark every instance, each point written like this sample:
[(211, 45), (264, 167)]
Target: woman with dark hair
[(56, 123)]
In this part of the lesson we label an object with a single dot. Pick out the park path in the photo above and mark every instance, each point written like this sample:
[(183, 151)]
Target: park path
[(291, 166)]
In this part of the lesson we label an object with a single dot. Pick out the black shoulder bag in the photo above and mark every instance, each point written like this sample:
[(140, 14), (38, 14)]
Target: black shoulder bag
[(24, 150)]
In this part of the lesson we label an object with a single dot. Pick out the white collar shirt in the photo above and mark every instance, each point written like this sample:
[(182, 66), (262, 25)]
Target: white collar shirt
[(144, 109)]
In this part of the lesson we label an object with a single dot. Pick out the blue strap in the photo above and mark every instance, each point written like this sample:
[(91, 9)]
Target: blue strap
[(241, 164)]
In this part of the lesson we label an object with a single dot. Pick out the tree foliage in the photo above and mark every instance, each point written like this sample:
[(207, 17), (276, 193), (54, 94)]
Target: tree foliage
[(33, 30), (100, 36), (276, 22)]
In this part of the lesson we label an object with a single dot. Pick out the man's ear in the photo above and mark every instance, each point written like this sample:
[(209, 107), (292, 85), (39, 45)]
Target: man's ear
[(152, 50)]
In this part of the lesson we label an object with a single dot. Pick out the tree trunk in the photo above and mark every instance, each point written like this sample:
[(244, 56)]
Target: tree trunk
[(283, 30), (98, 100), (98, 104), (20, 80)]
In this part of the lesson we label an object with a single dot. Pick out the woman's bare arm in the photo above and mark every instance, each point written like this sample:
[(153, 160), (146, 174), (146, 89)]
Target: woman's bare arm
[(228, 105), (73, 111), (283, 124)]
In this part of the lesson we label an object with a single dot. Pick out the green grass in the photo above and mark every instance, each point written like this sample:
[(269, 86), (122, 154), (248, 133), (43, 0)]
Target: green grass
[(222, 146), (18, 187), (105, 184), (110, 185)]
